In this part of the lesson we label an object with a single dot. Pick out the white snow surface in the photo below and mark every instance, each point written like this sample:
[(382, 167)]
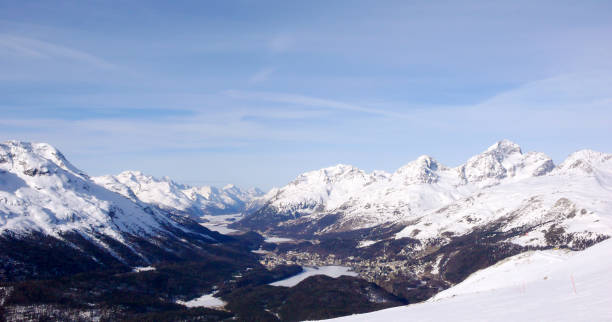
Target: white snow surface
[(533, 286), (206, 300), (143, 269), (274, 239), (331, 271), (173, 196), (501, 182)]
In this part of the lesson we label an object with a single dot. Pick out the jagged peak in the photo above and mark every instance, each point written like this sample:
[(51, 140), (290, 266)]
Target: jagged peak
[(585, 160), (229, 186), (502, 160), (255, 191), (421, 170), (340, 168), (424, 161), (332, 171), (132, 173), (590, 155), (505, 147), (138, 175), (329, 175)]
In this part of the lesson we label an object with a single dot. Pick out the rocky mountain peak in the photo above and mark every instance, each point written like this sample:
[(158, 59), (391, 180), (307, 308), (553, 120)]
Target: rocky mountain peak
[(584, 160), (504, 147), (421, 170), (36, 158), (255, 192), (499, 161), (340, 170), (332, 174)]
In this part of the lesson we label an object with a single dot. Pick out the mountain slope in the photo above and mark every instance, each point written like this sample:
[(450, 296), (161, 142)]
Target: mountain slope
[(52, 214), (567, 206), (535, 286), (171, 196)]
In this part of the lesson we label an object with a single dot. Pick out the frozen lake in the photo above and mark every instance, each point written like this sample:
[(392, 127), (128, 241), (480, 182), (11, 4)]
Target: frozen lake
[(272, 239), (331, 271), (143, 269), (219, 223), (206, 300)]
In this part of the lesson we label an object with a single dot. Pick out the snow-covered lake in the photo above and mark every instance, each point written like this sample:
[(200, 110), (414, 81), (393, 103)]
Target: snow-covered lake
[(219, 223), (272, 239), (332, 271), (143, 269), (206, 300)]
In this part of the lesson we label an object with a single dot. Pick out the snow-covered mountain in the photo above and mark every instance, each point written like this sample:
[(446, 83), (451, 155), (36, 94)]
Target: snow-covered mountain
[(427, 227), (52, 212), (179, 198), (502, 186)]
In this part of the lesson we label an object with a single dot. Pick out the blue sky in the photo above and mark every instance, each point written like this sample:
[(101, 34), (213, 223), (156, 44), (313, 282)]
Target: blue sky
[(256, 92)]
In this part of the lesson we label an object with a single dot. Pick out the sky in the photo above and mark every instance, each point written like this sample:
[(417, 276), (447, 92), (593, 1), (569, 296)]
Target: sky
[(256, 92)]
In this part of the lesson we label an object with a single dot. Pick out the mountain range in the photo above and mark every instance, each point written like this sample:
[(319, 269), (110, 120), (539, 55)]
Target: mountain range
[(56, 220), (408, 234), (519, 191), (179, 198), (427, 227)]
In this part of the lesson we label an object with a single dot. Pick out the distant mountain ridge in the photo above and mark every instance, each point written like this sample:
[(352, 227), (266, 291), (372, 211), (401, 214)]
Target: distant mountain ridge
[(431, 199), (180, 198)]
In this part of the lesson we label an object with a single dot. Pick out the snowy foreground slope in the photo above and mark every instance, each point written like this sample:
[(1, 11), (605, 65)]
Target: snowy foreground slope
[(552, 285), (47, 205), (180, 198)]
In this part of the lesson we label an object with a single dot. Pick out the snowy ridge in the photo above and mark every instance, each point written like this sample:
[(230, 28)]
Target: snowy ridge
[(40, 191), (548, 285), (172, 196), (502, 186)]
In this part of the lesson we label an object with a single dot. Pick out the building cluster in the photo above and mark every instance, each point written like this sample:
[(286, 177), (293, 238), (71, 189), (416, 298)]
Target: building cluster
[(374, 270)]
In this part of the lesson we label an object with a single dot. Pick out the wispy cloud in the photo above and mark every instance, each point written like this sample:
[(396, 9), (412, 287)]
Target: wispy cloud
[(561, 102), (262, 75), (35, 48), (308, 101)]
